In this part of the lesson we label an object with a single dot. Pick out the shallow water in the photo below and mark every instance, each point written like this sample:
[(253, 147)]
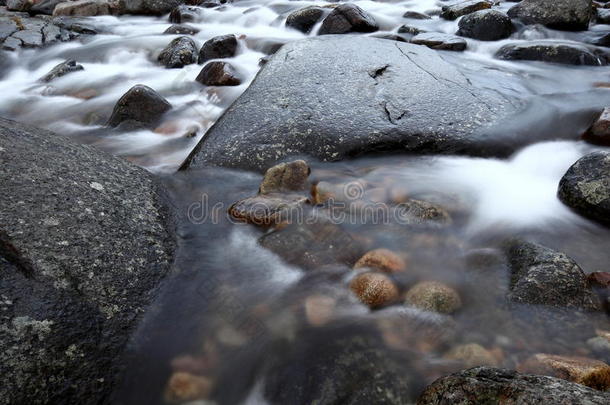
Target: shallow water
[(232, 305)]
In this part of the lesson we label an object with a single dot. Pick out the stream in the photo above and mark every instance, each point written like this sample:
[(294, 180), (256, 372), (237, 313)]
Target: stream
[(250, 321)]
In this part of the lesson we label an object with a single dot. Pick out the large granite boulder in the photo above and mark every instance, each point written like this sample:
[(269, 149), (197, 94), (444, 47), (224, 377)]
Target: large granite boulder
[(84, 243), (381, 96), (586, 187), (486, 385), (559, 14)]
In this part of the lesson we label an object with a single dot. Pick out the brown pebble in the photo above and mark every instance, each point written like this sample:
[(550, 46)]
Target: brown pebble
[(319, 309), (434, 296), (374, 289), (184, 387), (383, 260)]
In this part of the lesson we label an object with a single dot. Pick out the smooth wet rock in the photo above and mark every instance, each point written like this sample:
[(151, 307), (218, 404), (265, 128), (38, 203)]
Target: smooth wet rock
[(223, 46), (218, 74), (141, 105), (286, 177), (180, 52), (62, 69), (304, 19), (586, 187), (182, 14), (416, 16), (374, 289), (581, 370), (410, 30), (383, 260), (266, 210), (149, 7), (456, 10), (551, 51), (557, 14), (347, 18), (438, 41), (542, 276), (434, 296), (84, 8), (409, 106), (486, 25), (483, 385), (472, 355), (85, 239), (178, 29), (599, 133)]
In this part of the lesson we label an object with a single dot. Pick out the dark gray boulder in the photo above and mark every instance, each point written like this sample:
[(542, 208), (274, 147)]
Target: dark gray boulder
[(486, 385), (222, 46), (558, 14), (416, 16), (218, 74), (383, 96), (180, 52), (62, 69), (542, 276), (148, 7), (485, 25), (586, 187), (456, 10), (438, 41), (140, 106), (182, 14), (347, 18), (551, 51), (304, 19), (178, 29), (84, 242)]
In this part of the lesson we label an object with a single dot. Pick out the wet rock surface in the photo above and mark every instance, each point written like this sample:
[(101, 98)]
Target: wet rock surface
[(312, 117), (486, 25), (586, 187), (561, 14), (180, 52), (441, 42), (218, 74), (347, 18), (140, 106), (62, 69), (223, 46), (542, 276), (304, 19), (19, 30), (553, 52), (488, 385), (456, 10), (84, 243)]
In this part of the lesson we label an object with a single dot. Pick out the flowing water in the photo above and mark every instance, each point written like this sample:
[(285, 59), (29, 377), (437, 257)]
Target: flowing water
[(232, 307)]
